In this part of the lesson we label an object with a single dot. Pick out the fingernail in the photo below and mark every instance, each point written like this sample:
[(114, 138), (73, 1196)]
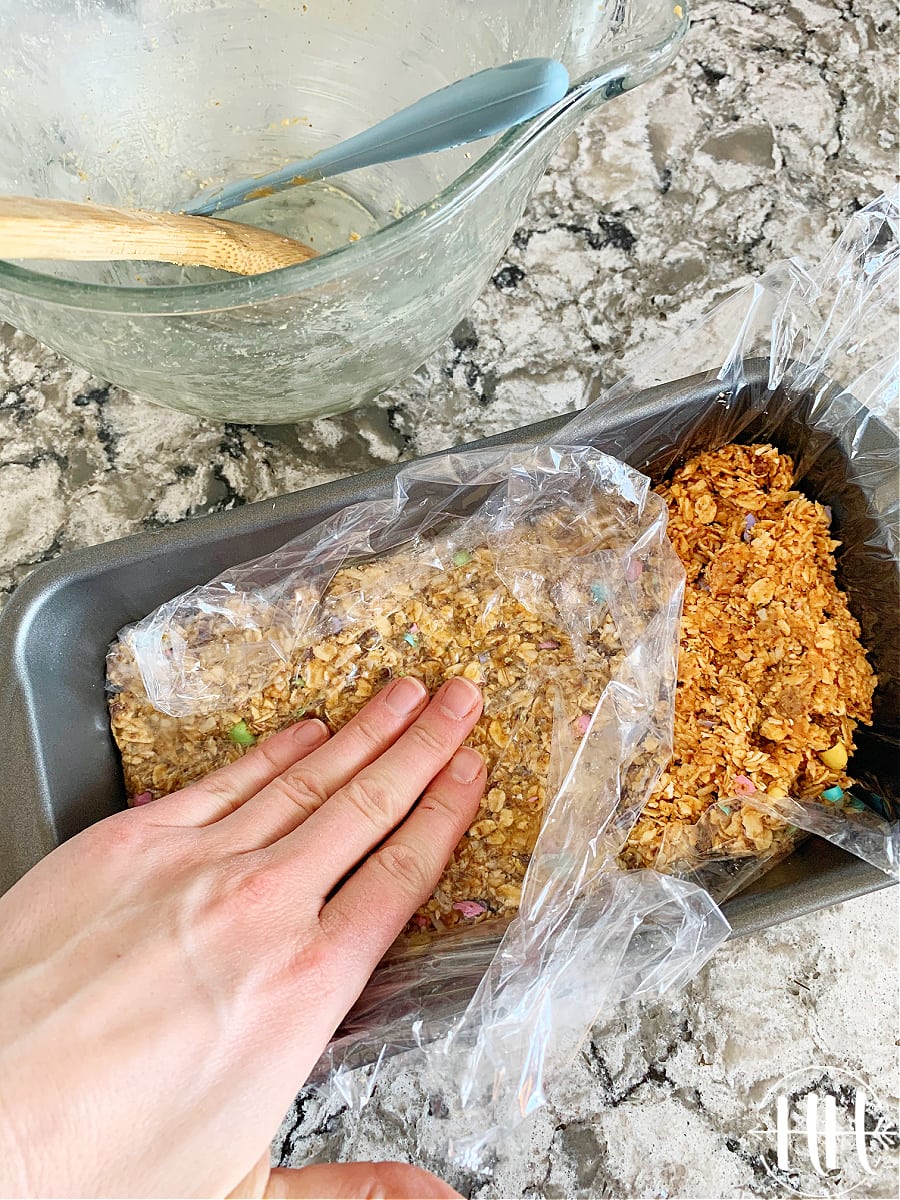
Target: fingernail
[(459, 697), (465, 765), (310, 733), (405, 696)]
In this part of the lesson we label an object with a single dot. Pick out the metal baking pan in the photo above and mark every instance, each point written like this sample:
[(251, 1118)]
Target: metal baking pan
[(61, 771)]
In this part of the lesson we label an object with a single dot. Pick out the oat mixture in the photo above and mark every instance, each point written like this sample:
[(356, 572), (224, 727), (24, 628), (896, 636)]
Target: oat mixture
[(772, 677), (433, 611)]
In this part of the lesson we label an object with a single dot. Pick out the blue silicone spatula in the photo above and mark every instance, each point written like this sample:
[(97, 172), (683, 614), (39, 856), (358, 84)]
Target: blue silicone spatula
[(475, 107)]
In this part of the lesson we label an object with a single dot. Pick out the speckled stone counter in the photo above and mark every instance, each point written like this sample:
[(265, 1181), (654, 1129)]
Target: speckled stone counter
[(776, 122)]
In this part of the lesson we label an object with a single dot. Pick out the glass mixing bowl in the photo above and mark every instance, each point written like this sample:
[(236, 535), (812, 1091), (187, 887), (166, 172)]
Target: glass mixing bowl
[(145, 102)]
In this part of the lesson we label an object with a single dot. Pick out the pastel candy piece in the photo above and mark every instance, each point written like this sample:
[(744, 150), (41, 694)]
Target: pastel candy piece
[(832, 794), (744, 786), (241, 734), (470, 908), (835, 758)]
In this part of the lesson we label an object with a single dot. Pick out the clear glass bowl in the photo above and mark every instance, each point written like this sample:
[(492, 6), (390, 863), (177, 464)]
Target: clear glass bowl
[(146, 103)]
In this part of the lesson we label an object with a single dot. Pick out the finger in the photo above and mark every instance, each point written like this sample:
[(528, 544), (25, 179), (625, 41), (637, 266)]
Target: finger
[(222, 792), (357, 1181), (254, 1183), (288, 800), (370, 910), (363, 812)]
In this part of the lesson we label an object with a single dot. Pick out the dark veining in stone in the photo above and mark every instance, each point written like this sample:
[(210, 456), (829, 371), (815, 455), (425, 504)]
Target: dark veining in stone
[(508, 278)]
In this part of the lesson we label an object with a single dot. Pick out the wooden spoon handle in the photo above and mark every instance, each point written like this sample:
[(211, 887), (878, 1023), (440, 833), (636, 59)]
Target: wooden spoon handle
[(63, 229)]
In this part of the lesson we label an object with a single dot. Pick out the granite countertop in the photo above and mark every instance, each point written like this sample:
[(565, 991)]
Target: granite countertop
[(776, 123)]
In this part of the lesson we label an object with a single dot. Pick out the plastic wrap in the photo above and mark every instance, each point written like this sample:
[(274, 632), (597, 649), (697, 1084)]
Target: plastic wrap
[(577, 540), (805, 358), (543, 574), (492, 1012)]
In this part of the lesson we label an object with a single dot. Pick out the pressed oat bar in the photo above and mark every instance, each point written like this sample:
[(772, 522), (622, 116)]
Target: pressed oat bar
[(433, 611)]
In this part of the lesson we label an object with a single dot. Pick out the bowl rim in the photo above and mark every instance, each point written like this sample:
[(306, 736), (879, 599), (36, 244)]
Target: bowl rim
[(608, 79)]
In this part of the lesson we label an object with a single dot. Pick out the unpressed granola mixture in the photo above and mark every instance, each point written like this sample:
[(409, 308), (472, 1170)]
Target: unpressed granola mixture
[(772, 677)]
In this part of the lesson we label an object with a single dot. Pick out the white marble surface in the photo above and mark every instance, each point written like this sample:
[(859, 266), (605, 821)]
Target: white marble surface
[(774, 125)]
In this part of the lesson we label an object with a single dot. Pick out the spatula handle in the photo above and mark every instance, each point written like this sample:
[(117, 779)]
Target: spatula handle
[(66, 230)]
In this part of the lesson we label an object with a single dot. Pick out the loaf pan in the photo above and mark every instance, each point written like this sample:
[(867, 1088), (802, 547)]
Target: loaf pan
[(61, 770)]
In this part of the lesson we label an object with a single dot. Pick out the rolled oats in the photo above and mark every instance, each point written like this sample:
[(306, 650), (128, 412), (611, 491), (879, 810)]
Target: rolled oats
[(771, 676)]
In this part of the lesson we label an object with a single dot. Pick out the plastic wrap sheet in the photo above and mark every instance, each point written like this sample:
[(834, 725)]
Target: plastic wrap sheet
[(577, 539), (492, 1013), (806, 359)]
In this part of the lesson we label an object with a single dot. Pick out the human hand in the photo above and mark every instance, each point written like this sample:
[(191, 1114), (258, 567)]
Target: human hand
[(169, 977)]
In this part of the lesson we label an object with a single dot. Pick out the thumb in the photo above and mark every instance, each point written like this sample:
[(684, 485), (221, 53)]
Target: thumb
[(357, 1181)]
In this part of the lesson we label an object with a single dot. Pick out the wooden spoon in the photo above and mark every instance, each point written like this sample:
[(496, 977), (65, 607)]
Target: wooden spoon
[(65, 230)]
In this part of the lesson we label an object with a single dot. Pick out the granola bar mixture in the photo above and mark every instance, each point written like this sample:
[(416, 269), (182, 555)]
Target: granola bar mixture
[(772, 679), (431, 611)]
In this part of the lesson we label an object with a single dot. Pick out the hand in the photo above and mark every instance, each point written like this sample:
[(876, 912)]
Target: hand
[(169, 977)]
